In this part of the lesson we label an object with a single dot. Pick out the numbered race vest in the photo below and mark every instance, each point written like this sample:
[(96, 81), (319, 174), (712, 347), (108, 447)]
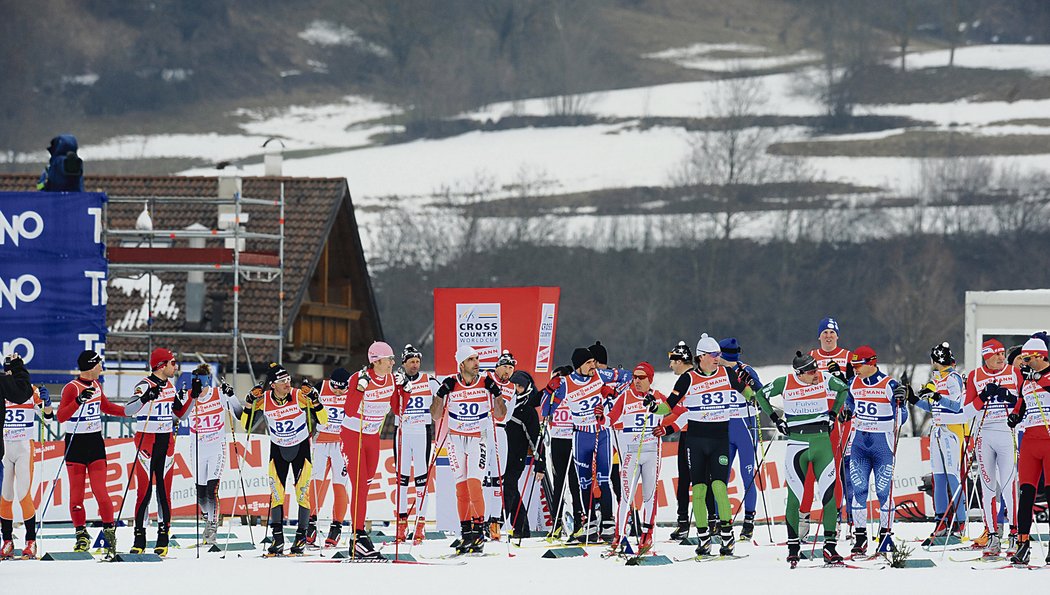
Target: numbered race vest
[(468, 408), (156, 417), (636, 422), (20, 419), (334, 405), (286, 423), (806, 399), (940, 413), (995, 410), (840, 356), (87, 419), (560, 423), (509, 398), (415, 411), (709, 397), (375, 404), (207, 416), (581, 398), (872, 406), (1037, 408)]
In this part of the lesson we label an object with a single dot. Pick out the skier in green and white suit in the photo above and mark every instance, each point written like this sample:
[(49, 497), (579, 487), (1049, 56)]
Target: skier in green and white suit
[(812, 399)]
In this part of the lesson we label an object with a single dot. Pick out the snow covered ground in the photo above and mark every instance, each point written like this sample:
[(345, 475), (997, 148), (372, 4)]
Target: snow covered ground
[(561, 160), (510, 570)]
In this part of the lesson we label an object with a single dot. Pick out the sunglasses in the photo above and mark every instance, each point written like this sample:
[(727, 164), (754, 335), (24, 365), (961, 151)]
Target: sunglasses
[(1027, 358), (641, 378)]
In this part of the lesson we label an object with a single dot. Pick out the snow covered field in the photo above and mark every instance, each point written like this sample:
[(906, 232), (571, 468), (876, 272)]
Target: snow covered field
[(522, 570)]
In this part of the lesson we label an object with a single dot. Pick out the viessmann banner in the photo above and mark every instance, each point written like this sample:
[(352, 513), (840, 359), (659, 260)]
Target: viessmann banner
[(522, 320), (52, 278), (247, 461)]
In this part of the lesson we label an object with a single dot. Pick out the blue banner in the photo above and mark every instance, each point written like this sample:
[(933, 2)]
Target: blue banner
[(52, 279)]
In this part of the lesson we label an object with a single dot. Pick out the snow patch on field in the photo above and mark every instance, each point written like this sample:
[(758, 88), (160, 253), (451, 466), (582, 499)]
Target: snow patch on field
[(711, 57), (329, 34), (1034, 58)]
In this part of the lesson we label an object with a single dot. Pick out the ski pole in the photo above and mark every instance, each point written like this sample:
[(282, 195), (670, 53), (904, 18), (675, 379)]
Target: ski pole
[(757, 443), (528, 472), (420, 510), (499, 467), (240, 473), (72, 436)]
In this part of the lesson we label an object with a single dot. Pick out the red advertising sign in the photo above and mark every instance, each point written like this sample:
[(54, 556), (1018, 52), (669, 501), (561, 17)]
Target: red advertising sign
[(522, 320)]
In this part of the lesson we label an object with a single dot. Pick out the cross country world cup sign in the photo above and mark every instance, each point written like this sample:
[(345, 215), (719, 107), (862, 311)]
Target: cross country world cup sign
[(478, 326)]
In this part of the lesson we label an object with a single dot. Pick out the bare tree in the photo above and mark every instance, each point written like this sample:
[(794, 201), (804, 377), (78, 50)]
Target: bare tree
[(729, 162)]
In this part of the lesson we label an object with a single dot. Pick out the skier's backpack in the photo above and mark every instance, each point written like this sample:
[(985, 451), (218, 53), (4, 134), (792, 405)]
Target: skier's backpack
[(65, 170)]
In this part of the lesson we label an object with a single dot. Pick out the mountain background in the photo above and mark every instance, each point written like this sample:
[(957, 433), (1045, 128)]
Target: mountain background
[(744, 240)]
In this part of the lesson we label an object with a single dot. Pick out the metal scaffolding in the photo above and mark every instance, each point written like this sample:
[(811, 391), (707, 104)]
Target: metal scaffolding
[(245, 272)]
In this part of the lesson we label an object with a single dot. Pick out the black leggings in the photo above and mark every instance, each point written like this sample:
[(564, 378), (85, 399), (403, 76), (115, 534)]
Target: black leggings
[(683, 493)]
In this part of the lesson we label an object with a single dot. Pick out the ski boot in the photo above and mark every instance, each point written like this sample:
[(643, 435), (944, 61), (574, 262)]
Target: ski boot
[(494, 529), (477, 544), (211, 531), (362, 547), (803, 526), (940, 532), (29, 551), (609, 533), (1011, 541), (747, 530), (793, 548), (993, 546), (335, 530), (860, 542), (421, 531), (464, 533), (728, 541), (276, 547), (161, 548), (645, 542), (703, 543), (7, 549), (299, 543), (957, 530), (109, 535), (84, 540), (831, 554), (1024, 552), (886, 541), (715, 527), (402, 529), (311, 530), (139, 545), (681, 531)]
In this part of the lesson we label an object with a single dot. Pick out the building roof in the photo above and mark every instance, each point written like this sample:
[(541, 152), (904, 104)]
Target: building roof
[(312, 205)]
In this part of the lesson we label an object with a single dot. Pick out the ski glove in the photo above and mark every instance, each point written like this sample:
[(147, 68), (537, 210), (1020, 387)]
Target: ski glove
[(1007, 397), (492, 387), (563, 370), (226, 389), (845, 415), (989, 391), (150, 394), (554, 383), (446, 387), (929, 391), (362, 380), (900, 394), (650, 402), (745, 378), (836, 370), (45, 396), (255, 394), (779, 422), (660, 431), (599, 413), (1012, 420), (1029, 373), (85, 395), (196, 387)]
